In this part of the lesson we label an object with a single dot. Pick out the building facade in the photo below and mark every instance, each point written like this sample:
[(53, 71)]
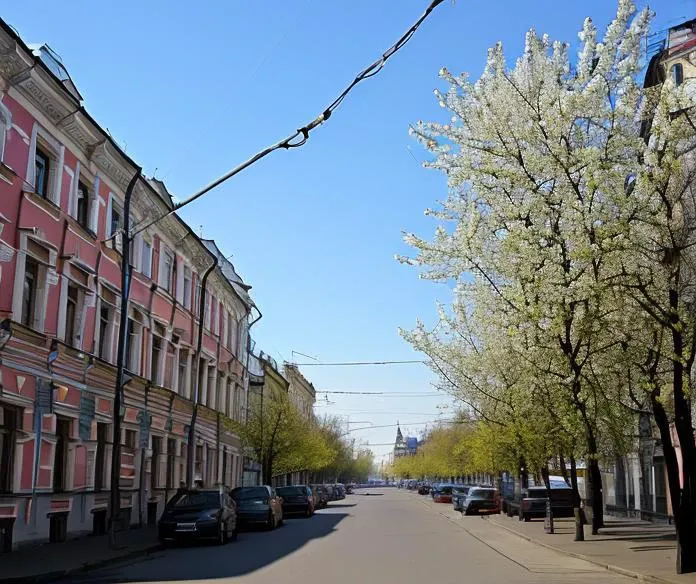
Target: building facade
[(302, 395), (407, 446), (62, 186)]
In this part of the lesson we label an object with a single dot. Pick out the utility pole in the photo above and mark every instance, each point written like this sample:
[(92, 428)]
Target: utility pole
[(115, 498)]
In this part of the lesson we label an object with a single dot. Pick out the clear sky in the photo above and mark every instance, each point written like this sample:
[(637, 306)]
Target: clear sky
[(192, 89)]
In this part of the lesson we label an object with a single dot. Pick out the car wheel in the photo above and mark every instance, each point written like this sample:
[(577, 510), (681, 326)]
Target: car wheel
[(271, 521), (467, 512), (527, 517)]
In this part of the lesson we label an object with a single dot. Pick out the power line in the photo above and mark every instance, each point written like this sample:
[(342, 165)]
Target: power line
[(300, 136), (383, 393), (352, 363)]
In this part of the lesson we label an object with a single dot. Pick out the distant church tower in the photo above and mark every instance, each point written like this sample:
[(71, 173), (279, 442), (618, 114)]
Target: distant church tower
[(400, 447)]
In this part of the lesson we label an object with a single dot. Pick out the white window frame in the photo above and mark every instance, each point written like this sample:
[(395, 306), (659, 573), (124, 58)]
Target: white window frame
[(187, 295), (56, 158), (145, 260), (134, 364), (111, 329), (216, 324), (85, 298), (42, 287), (5, 126), (166, 277), (160, 364)]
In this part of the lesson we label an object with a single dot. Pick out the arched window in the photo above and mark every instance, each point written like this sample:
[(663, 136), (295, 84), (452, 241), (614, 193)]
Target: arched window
[(678, 74)]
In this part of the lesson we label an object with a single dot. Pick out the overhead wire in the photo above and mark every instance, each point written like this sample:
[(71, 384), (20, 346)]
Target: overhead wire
[(300, 136), (353, 363)]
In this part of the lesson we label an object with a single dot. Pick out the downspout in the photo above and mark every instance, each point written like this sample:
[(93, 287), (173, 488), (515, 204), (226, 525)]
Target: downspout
[(115, 494), (191, 447), (248, 359)]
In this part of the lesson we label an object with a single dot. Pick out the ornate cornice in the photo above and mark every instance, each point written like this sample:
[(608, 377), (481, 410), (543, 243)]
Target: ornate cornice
[(106, 157)]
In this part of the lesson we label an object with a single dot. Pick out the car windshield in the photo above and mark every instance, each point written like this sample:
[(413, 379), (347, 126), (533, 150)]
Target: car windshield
[(539, 493), (201, 499), (246, 493), (291, 491), (445, 490), (461, 490), (487, 494)]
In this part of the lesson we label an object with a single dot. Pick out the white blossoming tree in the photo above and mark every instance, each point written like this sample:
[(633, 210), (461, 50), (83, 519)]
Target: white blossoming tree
[(568, 236)]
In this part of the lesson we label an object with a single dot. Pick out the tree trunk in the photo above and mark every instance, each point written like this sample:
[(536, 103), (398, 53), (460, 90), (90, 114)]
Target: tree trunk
[(594, 481), (681, 499), (577, 509), (548, 524), (564, 469)]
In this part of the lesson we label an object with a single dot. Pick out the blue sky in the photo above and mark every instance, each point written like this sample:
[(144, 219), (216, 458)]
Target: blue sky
[(192, 90)]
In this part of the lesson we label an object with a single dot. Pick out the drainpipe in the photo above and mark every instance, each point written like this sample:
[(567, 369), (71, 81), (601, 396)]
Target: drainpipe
[(248, 359), (191, 447), (115, 494)]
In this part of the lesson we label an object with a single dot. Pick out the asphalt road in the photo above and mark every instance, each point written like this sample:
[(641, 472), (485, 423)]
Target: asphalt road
[(389, 536)]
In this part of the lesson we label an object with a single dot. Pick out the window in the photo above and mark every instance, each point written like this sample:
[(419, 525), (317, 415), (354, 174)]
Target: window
[(678, 74), (83, 204), (9, 424), (212, 378), (116, 219), (171, 461), (188, 282), (168, 269), (155, 364), (232, 341), (134, 346), (146, 259), (206, 315), (29, 293), (182, 385), (202, 376), (60, 458), (169, 359), (155, 479), (104, 332), (5, 125), (129, 439), (198, 467), (99, 463), (197, 300), (42, 165), (71, 315)]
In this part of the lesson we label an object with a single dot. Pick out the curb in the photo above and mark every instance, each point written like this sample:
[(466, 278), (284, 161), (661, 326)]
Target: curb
[(612, 568), (86, 567)]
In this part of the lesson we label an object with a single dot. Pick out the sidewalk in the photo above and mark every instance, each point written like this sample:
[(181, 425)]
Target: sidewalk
[(640, 549), (40, 564)]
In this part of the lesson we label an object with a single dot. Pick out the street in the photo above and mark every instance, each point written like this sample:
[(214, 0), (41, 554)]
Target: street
[(387, 536)]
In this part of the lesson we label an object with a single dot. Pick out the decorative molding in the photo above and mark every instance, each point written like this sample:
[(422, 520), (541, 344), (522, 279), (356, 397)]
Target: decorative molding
[(79, 131), (106, 157), (43, 97)]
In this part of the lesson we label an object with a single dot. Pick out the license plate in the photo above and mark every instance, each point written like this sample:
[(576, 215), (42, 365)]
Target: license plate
[(186, 527)]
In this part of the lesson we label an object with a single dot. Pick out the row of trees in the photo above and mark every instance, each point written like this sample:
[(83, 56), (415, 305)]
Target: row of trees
[(452, 451), (568, 239), (285, 441)]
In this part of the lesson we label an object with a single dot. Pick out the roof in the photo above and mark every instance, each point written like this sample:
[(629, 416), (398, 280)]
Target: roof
[(230, 273)]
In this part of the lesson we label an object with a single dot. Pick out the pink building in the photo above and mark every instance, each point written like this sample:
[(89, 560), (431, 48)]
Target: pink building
[(62, 184)]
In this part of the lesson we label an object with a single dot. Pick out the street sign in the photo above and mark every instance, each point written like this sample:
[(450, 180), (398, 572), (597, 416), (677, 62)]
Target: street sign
[(87, 412), (144, 419), (44, 396)]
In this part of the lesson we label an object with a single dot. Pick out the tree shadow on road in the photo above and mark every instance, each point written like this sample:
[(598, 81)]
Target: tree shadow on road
[(252, 551)]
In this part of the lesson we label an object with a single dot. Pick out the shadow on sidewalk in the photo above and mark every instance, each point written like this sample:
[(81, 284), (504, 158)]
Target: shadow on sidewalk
[(253, 551)]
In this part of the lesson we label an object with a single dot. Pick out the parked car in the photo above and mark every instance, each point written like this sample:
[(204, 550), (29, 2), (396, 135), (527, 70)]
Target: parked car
[(341, 491), (424, 489), (443, 494), (199, 514), (321, 496), (481, 500), (349, 489), (533, 503), (258, 505), (459, 494), (297, 499)]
